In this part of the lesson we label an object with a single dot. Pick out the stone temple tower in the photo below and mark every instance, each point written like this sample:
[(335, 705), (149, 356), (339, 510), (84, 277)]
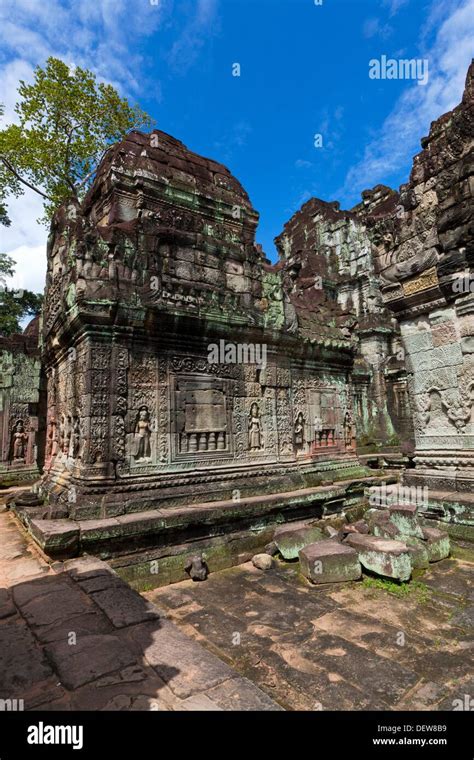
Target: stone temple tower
[(181, 365)]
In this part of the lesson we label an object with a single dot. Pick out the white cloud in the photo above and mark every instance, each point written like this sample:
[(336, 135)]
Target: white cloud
[(24, 230), (186, 49), (25, 242), (11, 73), (395, 5), (30, 269), (92, 34), (373, 27), (399, 136)]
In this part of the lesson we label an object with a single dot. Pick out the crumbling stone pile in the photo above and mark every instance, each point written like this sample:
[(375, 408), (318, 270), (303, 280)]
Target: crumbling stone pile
[(388, 542)]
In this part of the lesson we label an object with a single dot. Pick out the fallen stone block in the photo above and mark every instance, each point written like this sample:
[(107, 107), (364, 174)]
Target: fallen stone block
[(418, 552), (332, 521), (290, 539), (271, 549), (382, 556), (405, 519), (437, 544), (385, 529), (361, 526), (375, 517), (346, 529), (331, 532), (262, 561), (329, 561)]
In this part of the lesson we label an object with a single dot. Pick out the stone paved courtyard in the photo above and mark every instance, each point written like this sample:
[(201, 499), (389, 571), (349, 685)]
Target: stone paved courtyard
[(243, 639), (76, 637), (341, 647)]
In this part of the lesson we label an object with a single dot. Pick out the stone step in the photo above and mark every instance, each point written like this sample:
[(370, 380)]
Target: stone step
[(67, 538), (329, 561), (382, 556)]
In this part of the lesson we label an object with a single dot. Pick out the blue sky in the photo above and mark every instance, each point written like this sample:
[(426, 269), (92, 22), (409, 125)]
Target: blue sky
[(304, 70)]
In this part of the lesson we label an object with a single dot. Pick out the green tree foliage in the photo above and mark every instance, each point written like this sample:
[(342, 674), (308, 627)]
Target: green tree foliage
[(66, 122), (8, 185), (15, 305)]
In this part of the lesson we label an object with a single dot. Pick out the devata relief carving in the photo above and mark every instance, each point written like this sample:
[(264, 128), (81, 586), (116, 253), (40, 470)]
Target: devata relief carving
[(255, 429), (141, 443), (19, 442), (22, 412)]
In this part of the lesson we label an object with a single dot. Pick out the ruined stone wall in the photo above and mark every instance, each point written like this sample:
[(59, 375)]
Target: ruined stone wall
[(332, 252), (425, 263), (21, 410)]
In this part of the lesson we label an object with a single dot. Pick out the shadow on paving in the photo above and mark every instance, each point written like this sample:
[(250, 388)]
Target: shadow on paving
[(83, 639)]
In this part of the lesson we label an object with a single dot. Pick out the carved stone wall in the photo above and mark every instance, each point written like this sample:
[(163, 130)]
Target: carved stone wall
[(21, 412), (426, 269), (329, 257), (157, 267)]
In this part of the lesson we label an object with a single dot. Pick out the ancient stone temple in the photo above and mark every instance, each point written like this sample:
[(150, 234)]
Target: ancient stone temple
[(425, 256), (400, 266), (198, 393), (22, 407), (181, 366), (333, 253)]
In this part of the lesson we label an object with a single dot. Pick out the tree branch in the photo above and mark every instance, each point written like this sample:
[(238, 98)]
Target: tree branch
[(10, 168), (67, 165), (93, 171)]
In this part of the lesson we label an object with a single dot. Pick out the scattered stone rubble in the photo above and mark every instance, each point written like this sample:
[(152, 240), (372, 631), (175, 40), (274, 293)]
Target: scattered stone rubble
[(262, 561), (388, 542)]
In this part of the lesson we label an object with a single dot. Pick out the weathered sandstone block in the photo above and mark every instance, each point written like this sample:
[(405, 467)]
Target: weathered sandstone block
[(329, 561), (418, 552), (405, 519), (437, 544), (290, 539), (382, 556)]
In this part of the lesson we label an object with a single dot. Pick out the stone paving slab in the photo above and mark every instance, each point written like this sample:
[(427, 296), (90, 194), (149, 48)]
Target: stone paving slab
[(7, 608), (22, 661), (350, 647), (183, 663), (78, 637), (299, 647), (240, 694), (91, 658), (81, 625), (123, 606)]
